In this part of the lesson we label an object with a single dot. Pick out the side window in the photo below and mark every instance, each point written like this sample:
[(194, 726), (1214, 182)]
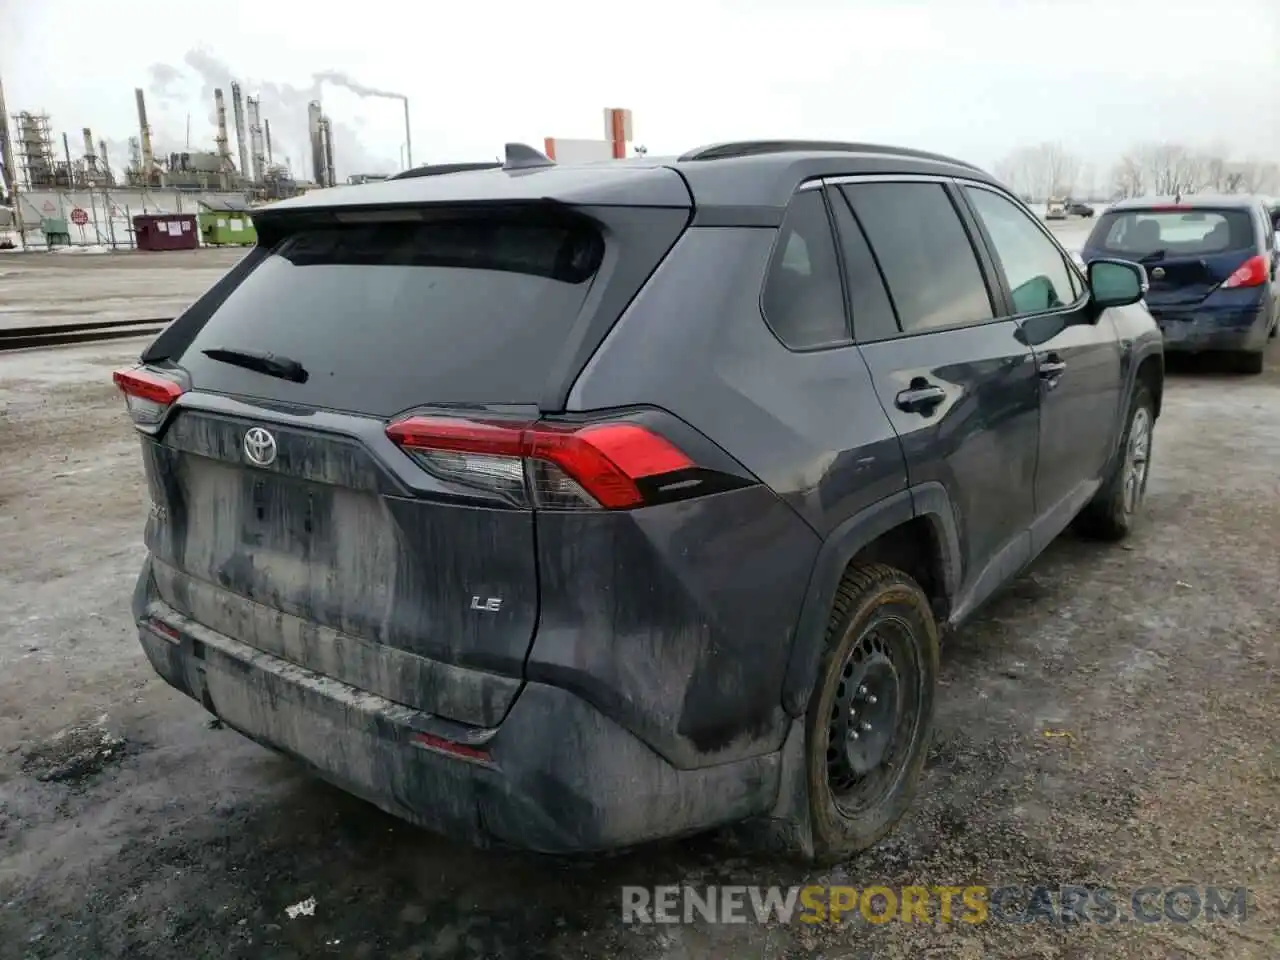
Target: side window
[(873, 317), (925, 253), (1038, 277), (803, 301)]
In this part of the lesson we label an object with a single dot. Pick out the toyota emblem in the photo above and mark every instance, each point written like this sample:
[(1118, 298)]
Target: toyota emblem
[(259, 447)]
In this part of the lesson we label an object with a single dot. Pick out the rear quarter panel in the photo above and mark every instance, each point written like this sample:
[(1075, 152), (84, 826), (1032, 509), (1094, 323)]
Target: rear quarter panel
[(809, 425)]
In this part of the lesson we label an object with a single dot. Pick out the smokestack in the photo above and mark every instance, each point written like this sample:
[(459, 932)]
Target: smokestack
[(6, 151), (408, 141), (147, 162), (266, 129), (105, 163), (317, 142), (327, 139), (66, 149), (256, 150), (224, 144), (237, 107), (90, 158)]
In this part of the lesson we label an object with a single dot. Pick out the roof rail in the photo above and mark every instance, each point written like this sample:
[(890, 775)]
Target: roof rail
[(435, 169), (521, 156), (755, 148)]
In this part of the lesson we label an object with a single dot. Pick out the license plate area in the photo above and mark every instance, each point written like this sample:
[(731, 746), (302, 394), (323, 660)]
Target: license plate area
[(284, 515)]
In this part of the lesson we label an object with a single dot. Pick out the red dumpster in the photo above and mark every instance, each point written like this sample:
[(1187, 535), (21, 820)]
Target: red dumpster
[(166, 231)]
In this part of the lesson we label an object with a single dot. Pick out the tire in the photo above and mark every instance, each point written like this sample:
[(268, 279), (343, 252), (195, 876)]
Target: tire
[(881, 637), (1111, 515), (1249, 362)]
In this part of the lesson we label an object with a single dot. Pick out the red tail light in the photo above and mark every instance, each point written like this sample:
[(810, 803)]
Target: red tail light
[(566, 467), (147, 395), (1254, 272)]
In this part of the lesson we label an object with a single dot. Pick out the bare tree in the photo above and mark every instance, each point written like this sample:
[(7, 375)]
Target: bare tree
[(1214, 174), (1171, 169), (1061, 168), (1256, 176), (1128, 177), (1040, 171)]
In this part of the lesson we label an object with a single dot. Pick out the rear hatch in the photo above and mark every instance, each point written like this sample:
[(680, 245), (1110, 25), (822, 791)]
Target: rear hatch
[(289, 516), (1188, 252)]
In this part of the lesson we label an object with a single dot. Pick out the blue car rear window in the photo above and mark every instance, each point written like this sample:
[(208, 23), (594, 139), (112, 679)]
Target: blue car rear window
[(1193, 232)]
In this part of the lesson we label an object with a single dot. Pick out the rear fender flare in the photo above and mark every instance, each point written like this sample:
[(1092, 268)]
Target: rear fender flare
[(928, 500)]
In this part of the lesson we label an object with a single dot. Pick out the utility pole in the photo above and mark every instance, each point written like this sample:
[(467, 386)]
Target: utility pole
[(6, 151)]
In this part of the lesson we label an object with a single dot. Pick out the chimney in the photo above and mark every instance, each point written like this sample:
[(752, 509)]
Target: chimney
[(256, 151), (408, 140), (326, 133), (104, 163), (90, 158), (237, 108), (224, 144), (317, 142), (66, 149), (266, 129), (147, 162)]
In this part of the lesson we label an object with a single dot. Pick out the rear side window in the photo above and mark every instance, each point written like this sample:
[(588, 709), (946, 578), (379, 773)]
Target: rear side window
[(803, 301), (1190, 232), (387, 316), (925, 253), (873, 317), (1033, 265)]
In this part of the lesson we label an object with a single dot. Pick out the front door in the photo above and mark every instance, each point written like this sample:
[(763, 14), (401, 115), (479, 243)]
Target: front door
[(959, 385), (1078, 359)]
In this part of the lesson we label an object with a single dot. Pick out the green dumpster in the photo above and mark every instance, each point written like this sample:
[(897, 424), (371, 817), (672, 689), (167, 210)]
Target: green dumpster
[(55, 231), (226, 228), (225, 221)]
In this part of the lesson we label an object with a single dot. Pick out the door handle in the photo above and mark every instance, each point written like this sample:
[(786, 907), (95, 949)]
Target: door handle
[(920, 397), (1051, 367)]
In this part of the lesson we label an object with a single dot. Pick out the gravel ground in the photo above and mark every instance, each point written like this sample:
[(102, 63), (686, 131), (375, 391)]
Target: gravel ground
[(1111, 718), (48, 288)]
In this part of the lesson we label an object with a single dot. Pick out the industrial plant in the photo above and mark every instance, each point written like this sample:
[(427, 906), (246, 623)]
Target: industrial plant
[(34, 160), (37, 163)]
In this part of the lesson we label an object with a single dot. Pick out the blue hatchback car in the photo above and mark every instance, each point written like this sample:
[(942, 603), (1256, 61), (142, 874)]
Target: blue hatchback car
[(1212, 264)]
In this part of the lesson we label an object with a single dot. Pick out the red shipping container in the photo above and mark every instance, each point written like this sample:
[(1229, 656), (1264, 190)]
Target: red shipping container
[(166, 231)]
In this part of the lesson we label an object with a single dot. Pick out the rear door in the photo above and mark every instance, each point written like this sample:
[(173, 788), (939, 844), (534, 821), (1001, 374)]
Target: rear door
[(286, 516), (1078, 358), (958, 384)]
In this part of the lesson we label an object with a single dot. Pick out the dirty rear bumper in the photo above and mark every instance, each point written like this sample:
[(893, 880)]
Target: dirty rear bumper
[(1192, 331), (559, 777)]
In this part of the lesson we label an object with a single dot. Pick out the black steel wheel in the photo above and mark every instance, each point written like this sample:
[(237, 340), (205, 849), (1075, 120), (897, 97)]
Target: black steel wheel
[(870, 717)]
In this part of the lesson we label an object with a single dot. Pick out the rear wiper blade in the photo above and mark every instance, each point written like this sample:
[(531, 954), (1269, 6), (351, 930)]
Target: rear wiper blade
[(272, 364)]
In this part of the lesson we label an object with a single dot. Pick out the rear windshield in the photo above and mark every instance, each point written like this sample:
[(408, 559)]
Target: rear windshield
[(387, 316), (1172, 233)]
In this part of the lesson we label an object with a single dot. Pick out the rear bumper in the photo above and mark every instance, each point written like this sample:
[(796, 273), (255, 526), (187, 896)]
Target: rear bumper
[(1204, 331), (555, 776)]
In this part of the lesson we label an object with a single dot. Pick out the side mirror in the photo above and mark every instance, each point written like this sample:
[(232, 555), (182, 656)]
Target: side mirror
[(1117, 283)]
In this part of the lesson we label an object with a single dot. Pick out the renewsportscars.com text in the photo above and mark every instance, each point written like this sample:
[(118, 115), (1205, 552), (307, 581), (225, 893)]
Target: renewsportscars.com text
[(973, 904)]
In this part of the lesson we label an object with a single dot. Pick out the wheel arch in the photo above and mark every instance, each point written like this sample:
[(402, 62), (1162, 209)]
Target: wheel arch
[(1150, 371), (913, 530)]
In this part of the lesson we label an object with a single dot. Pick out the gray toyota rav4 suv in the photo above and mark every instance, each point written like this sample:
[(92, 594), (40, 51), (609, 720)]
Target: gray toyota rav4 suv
[(574, 506)]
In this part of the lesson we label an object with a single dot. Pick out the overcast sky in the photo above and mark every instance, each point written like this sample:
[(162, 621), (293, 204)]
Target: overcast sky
[(974, 78)]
